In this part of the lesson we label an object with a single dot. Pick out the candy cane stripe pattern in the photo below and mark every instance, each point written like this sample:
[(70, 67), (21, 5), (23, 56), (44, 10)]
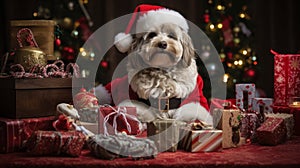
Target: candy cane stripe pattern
[(206, 141), (55, 70)]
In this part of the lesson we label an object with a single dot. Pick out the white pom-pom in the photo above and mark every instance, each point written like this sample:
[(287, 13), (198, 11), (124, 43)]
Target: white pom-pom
[(123, 42), (102, 95)]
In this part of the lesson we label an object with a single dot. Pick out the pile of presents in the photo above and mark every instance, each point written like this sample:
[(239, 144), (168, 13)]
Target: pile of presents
[(36, 117)]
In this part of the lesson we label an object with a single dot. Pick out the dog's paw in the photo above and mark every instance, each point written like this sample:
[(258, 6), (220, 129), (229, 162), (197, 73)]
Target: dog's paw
[(144, 112), (191, 112)]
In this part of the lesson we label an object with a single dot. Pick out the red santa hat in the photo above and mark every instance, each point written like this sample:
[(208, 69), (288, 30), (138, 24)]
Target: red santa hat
[(144, 18)]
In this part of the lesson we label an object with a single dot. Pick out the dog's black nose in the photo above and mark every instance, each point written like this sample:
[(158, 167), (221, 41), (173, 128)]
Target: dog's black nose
[(162, 45)]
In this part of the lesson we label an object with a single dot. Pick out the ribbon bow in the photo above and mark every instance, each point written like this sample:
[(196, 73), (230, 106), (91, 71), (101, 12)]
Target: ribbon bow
[(120, 111)]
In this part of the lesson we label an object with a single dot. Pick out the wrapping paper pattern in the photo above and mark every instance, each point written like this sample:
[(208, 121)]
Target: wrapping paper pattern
[(85, 99), (88, 115), (55, 143), (288, 121), (271, 132), (201, 140), (123, 118), (15, 132), (165, 134), (296, 115), (240, 89), (250, 123), (230, 124), (264, 103), (286, 78)]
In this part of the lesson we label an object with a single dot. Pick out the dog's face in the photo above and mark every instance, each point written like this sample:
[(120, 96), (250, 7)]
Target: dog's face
[(164, 46)]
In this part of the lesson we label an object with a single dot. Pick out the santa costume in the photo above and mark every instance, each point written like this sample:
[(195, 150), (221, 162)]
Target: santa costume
[(119, 92)]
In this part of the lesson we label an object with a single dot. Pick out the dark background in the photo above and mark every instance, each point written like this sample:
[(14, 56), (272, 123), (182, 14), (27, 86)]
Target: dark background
[(277, 24)]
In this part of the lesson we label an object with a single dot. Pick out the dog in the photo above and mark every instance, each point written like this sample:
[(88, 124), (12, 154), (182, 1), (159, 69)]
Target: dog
[(162, 81)]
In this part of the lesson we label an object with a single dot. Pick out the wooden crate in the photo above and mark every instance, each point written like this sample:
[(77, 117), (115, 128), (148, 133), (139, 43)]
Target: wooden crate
[(26, 98), (43, 32)]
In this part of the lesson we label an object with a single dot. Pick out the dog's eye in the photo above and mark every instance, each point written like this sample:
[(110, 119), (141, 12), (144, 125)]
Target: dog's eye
[(172, 36), (151, 35)]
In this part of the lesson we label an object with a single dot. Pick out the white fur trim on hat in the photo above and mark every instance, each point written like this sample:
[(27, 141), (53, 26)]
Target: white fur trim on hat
[(123, 42), (102, 95), (158, 17)]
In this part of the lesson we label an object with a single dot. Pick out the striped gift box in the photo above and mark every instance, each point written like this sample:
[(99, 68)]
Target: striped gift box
[(202, 140)]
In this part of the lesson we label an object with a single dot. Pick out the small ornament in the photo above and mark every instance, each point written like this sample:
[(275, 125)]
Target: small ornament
[(85, 100), (104, 64), (250, 73), (57, 42)]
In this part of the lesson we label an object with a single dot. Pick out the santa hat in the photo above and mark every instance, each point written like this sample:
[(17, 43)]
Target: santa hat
[(144, 18)]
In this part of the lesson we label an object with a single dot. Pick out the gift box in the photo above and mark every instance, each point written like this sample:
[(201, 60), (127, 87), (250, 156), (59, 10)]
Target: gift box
[(30, 98), (55, 143), (263, 105), (271, 132), (286, 77), (288, 121), (244, 95), (229, 121), (15, 132), (295, 111), (201, 140), (165, 134), (250, 122), (118, 119)]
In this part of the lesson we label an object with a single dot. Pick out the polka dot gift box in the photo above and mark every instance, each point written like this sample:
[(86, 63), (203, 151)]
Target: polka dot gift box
[(244, 95)]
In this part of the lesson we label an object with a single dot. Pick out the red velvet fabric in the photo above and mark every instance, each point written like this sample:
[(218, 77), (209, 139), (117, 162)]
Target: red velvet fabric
[(282, 155), (120, 91)]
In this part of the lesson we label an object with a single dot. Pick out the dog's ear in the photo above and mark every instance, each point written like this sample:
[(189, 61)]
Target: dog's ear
[(188, 49), (136, 43)]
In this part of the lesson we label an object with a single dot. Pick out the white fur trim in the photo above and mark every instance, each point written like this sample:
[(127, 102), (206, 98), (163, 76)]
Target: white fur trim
[(102, 94), (192, 111), (158, 17), (123, 42)]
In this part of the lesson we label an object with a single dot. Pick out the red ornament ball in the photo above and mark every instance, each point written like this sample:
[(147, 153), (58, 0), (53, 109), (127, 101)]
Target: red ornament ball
[(85, 99), (104, 64), (57, 42), (250, 73), (206, 18)]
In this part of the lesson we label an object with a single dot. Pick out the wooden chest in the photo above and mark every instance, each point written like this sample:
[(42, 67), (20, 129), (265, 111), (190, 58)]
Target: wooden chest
[(25, 98)]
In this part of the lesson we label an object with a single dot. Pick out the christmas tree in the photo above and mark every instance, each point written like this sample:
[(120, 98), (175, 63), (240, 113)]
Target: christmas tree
[(228, 25), (73, 27)]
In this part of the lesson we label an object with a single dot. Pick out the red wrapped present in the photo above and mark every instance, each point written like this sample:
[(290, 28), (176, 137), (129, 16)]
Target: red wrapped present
[(286, 77), (14, 132), (290, 110), (201, 140), (118, 119), (55, 143), (271, 132), (288, 121)]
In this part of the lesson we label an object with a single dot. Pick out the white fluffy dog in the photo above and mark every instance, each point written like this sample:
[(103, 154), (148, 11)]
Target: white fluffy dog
[(162, 80)]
